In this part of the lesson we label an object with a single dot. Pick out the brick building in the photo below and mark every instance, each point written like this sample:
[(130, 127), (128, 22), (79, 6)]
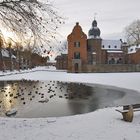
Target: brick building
[(77, 49), (134, 54), (92, 50), (7, 60), (20, 60), (62, 61), (94, 54)]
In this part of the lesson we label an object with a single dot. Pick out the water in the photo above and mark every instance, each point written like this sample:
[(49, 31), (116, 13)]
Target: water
[(61, 99)]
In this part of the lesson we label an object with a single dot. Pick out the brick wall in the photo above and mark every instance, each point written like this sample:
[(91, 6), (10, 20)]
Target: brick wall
[(134, 58)]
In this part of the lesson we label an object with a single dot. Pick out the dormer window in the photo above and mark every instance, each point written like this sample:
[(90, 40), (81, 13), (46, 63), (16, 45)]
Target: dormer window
[(103, 46), (109, 46), (115, 46)]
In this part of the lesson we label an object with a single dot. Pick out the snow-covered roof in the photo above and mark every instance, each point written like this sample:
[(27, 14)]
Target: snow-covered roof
[(111, 44), (93, 37), (5, 53), (13, 56), (114, 51), (94, 53), (51, 61), (65, 52), (133, 49)]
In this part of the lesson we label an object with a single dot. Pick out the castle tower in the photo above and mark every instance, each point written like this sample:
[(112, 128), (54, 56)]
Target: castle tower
[(94, 32), (94, 44), (77, 49)]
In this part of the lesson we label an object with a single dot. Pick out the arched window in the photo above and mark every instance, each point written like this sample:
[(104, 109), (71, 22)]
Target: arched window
[(119, 61), (112, 61)]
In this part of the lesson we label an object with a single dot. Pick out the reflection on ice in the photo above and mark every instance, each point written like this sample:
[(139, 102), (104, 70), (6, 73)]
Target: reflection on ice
[(54, 98)]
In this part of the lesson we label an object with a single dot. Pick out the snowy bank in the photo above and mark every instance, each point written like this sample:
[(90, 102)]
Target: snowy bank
[(123, 80), (104, 124), (99, 125)]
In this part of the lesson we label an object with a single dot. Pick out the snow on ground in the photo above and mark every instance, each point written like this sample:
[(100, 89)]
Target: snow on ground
[(124, 80), (100, 125), (104, 124)]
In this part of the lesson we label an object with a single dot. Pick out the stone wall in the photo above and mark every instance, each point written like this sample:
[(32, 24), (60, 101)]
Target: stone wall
[(111, 68)]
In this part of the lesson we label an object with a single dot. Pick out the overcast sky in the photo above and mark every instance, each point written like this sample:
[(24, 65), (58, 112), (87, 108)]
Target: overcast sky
[(112, 15)]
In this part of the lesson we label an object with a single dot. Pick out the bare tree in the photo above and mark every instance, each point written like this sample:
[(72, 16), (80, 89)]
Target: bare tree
[(2, 42), (132, 33), (62, 48), (31, 19)]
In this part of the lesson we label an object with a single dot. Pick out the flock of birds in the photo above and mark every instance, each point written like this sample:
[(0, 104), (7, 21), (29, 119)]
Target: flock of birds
[(27, 90), (31, 89)]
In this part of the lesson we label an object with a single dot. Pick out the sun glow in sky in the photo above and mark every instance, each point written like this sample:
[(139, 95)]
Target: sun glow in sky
[(12, 37), (8, 35)]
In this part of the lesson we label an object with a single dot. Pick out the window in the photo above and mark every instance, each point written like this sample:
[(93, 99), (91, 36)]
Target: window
[(115, 46), (109, 46), (119, 61), (112, 61), (76, 55), (103, 46), (77, 44)]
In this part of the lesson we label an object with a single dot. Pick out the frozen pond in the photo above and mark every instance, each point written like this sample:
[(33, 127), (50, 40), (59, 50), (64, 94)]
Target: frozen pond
[(35, 99)]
